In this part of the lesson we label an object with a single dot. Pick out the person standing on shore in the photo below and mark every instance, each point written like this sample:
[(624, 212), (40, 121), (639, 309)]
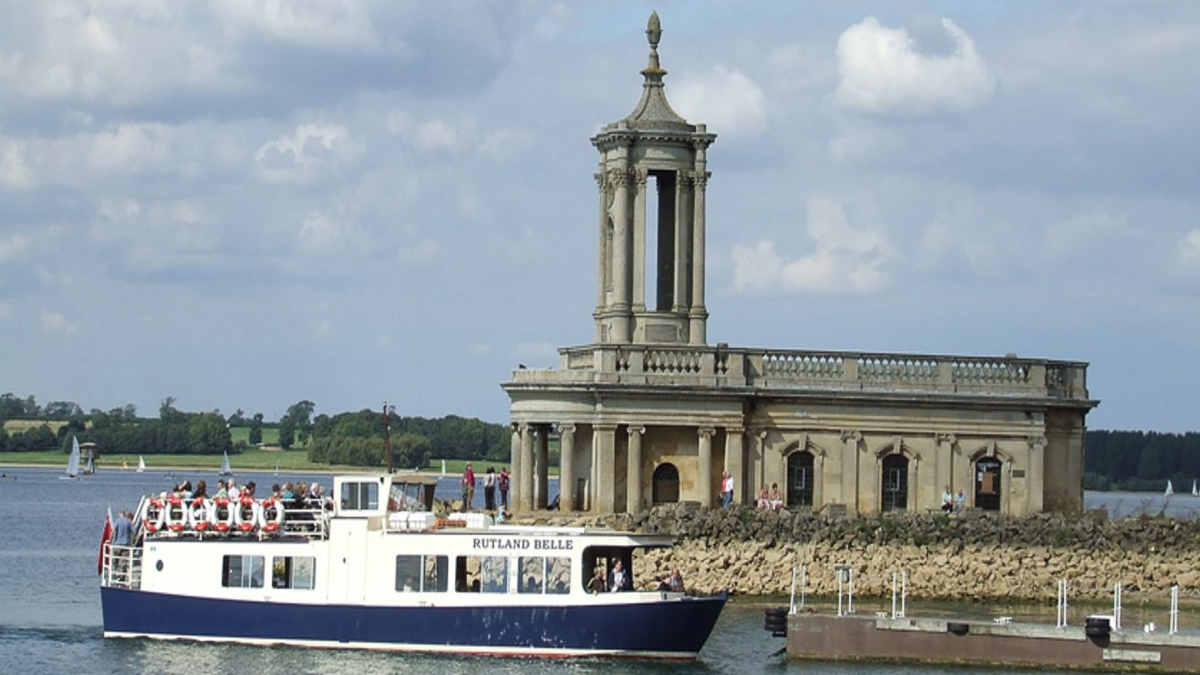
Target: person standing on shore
[(503, 483), (468, 486), (960, 501), (489, 489)]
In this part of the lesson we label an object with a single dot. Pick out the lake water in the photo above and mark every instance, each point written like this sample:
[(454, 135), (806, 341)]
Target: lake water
[(50, 604)]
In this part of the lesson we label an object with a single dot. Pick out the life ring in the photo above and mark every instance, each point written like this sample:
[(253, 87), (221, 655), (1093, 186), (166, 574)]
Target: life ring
[(276, 523), (153, 514), (243, 521), (200, 514), (222, 515), (174, 507)]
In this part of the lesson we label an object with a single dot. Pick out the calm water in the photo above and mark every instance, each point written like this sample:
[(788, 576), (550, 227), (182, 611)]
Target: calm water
[(50, 606)]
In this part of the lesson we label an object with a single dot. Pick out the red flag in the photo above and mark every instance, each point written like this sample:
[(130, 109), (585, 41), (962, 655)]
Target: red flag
[(107, 535)]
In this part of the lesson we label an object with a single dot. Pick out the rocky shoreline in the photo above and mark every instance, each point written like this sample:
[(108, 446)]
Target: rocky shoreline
[(967, 557)]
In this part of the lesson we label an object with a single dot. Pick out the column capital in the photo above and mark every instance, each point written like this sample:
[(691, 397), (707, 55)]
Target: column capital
[(566, 427), (601, 181), (851, 435), (699, 179), (731, 431), (640, 176), (604, 426), (945, 438), (632, 430), (1037, 442), (622, 177), (761, 433), (706, 432)]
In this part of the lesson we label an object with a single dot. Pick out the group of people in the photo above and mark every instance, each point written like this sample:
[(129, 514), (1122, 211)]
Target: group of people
[(770, 500), (298, 494), (621, 579), (953, 502), (492, 482)]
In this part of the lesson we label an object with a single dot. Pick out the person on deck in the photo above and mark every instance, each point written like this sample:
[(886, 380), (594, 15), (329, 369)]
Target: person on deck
[(201, 490), (489, 489), (502, 483), (620, 580), (597, 584), (468, 487), (676, 580), (122, 529)]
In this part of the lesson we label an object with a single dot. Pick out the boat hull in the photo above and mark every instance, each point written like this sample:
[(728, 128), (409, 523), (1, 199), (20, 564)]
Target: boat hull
[(672, 629)]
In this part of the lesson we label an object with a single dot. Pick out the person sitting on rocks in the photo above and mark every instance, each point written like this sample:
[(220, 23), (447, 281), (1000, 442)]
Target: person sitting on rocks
[(947, 500), (960, 501), (764, 499), (776, 498)]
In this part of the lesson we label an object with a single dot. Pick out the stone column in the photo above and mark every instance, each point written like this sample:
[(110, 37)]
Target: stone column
[(621, 253), (698, 315), (633, 463), (515, 461), (525, 494), (818, 479), (1036, 476), (604, 264), (944, 463), (606, 446), (850, 440), (704, 480), (639, 242), (566, 467), (543, 465), (682, 233), (734, 445)]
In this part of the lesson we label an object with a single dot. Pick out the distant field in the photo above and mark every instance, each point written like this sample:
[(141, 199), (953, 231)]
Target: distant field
[(20, 426), (294, 460), (455, 467), (270, 435)]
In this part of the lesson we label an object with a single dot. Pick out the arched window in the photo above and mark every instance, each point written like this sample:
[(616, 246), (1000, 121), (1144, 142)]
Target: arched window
[(987, 484), (800, 480), (665, 489), (895, 483)]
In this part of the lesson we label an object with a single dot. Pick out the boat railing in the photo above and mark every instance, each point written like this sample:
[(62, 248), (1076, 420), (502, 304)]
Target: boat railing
[(308, 518), (122, 566)]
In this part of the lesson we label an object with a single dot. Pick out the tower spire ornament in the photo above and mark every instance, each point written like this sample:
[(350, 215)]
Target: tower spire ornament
[(653, 34)]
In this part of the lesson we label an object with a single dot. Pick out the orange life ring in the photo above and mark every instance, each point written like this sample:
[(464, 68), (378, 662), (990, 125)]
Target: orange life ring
[(200, 514), (276, 523), (153, 523), (240, 519), (173, 524)]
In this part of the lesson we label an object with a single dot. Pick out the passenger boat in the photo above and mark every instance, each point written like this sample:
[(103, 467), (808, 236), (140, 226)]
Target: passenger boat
[(378, 570)]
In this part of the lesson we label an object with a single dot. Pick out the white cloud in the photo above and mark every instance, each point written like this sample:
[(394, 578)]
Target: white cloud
[(13, 247), (5, 311), (56, 322), (846, 259), (502, 144), (725, 99), (128, 148), (297, 157), (881, 72), (321, 232), (320, 24), (436, 134), (119, 210), (14, 172), (419, 251), (1189, 248)]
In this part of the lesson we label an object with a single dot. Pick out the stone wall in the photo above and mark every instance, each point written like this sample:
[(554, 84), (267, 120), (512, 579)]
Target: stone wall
[(947, 557)]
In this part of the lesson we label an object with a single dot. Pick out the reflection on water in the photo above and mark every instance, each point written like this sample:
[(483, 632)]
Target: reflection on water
[(50, 604)]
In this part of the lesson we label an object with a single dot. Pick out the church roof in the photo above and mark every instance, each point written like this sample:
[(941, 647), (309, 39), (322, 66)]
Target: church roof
[(653, 112)]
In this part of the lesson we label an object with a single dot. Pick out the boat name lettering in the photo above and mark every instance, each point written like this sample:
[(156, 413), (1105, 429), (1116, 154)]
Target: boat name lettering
[(497, 543)]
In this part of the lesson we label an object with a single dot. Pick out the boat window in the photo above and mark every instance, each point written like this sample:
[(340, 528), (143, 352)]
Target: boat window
[(242, 571), (544, 575), (362, 496), (298, 572), (422, 573), (407, 497), (487, 574), (605, 558)]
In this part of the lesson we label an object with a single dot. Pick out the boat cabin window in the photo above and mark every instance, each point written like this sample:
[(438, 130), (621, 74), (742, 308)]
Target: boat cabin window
[(407, 497), (298, 572), (544, 575), (422, 573), (242, 571), (481, 574), (605, 559), (360, 496)]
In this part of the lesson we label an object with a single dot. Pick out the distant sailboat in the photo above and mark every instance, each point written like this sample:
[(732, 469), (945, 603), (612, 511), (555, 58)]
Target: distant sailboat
[(226, 471), (1195, 492), (443, 467), (141, 465), (90, 468), (73, 461), (1170, 490), (276, 468)]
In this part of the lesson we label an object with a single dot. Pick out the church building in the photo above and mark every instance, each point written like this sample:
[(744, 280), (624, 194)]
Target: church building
[(651, 413)]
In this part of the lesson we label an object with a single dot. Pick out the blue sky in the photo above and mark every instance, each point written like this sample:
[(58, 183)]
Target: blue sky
[(243, 204)]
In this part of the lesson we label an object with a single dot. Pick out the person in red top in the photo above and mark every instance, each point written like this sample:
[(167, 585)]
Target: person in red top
[(502, 483), (468, 486)]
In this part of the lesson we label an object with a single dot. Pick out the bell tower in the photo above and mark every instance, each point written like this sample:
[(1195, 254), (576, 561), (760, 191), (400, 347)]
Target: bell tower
[(652, 179)]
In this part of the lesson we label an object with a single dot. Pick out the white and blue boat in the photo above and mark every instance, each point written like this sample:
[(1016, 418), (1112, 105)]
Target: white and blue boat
[(377, 570)]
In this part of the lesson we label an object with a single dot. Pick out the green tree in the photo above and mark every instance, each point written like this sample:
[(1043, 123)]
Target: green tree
[(287, 433), (256, 429), (167, 411), (208, 435)]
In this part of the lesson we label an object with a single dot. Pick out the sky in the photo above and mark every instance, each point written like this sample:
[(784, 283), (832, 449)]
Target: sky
[(244, 204)]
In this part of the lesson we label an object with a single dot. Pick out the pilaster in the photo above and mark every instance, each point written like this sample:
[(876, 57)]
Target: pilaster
[(525, 493), (543, 465), (566, 467), (606, 445), (734, 451), (633, 482), (704, 454)]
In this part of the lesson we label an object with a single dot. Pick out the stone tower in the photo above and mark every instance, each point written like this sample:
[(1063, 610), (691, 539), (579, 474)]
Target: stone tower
[(652, 181)]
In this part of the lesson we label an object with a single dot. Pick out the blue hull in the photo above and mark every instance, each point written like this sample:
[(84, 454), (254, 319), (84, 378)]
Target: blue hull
[(668, 629)]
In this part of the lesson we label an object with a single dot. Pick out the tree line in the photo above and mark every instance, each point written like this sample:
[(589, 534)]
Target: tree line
[(350, 438), (1140, 460)]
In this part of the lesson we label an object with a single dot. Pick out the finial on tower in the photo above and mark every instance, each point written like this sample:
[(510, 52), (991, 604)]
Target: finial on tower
[(654, 30)]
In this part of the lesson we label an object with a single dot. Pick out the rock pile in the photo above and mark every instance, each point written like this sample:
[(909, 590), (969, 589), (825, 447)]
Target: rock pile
[(972, 556)]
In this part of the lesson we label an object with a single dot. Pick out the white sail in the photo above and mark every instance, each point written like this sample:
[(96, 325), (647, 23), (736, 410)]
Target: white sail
[(1170, 490), (443, 467), (225, 469), (276, 468), (73, 462), (141, 465), (1195, 492)]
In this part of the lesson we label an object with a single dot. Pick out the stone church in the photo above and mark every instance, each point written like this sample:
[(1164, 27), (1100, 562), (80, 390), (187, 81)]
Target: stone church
[(651, 413)]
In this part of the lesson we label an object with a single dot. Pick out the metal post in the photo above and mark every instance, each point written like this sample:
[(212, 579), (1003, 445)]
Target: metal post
[(903, 593), (803, 583), (1174, 609), (839, 582), (1062, 603), (893, 595), (1117, 606), (792, 604), (850, 594)]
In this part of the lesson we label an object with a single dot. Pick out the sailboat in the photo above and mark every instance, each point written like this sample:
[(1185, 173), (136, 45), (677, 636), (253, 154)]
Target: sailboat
[(443, 467), (73, 461), (90, 468), (1170, 490), (141, 465), (276, 468), (226, 471)]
